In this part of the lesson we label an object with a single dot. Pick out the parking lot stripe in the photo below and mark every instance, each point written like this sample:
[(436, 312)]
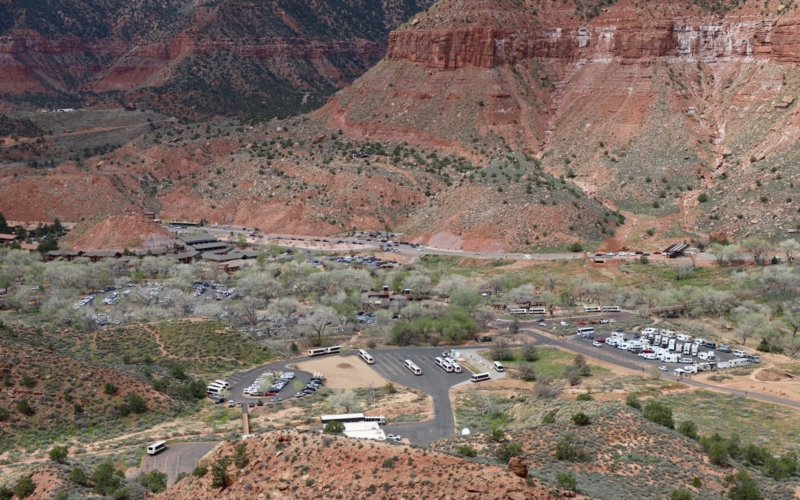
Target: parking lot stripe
[(389, 365)]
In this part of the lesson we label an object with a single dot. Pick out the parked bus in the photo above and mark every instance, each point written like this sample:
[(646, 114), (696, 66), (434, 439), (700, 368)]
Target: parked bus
[(345, 417), (156, 447), (414, 368), (518, 311), (585, 331), (610, 308), (366, 356), (537, 310), (324, 350), (591, 309), (480, 376), (223, 383), (374, 418), (447, 366), (456, 367)]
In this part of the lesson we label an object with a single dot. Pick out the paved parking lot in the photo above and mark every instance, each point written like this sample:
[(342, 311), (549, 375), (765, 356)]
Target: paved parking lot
[(176, 459)]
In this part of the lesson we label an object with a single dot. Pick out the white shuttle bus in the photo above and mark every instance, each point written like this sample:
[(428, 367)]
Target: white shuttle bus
[(456, 367), (414, 368), (480, 376), (366, 356), (156, 447)]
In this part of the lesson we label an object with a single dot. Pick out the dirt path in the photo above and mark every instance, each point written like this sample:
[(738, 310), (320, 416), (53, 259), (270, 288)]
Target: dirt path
[(159, 342)]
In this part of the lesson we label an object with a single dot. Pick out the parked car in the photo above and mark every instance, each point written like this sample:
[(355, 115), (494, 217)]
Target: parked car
[(393, 437), (251, 404), (724, 348), (663, 368), (259, 403), (275, 399), (299, 394), (239, 404), (564, 323), (597, 344), (231, 404)]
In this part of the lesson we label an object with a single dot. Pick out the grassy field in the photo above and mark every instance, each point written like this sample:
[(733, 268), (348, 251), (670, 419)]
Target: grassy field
[(551, 361), (774, 426)]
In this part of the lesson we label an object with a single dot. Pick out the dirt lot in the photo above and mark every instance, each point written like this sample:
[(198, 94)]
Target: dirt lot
[(343, 372)]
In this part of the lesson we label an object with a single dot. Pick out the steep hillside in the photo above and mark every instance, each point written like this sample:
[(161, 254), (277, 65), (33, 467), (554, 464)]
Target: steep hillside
[(646, 106), (131, 231), (294, 465), (193, 59)]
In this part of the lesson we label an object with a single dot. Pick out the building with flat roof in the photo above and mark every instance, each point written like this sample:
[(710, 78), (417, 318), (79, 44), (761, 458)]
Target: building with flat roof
[(198, 239), (364, 430)]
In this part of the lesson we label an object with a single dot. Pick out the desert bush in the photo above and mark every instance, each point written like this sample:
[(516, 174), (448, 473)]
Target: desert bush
[(24, 487), (389, 388), (497, 434), (580, 418), (180, 476), (544, 388), (6, 493), (659, 413), (527, 371), (549, 418), (388, 463), (218, 469), (28, 381), (199, 471), (781, 468), (530, 353), (61, 495), (466, 450), (567, 481), (240, 458), (742, 486), (24, 407), (506, 451), (333, 427), (688, 429), (120, 494), (106, 480), (568, 449), (586, 396), (109, 388), (59, 454), (572, 375), (136, 403), (78, 477), (4, 415), (154, 481), (696, 482), (680, 494)]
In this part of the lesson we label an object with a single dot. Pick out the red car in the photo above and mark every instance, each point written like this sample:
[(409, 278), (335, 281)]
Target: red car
[(647, 351)]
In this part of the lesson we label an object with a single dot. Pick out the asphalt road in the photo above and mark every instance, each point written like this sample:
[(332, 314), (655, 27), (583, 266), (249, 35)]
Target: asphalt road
[(176, 459)]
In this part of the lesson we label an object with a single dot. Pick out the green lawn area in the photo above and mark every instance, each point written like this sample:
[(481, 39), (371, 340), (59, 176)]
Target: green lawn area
[(774, 426), (551, 361)]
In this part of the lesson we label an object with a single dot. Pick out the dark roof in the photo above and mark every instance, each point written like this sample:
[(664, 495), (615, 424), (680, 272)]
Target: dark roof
[(243, 254), (152, 251), (185, 255), (676, 248), (216, 245), (197, 239), (64, 253), (99, 253)]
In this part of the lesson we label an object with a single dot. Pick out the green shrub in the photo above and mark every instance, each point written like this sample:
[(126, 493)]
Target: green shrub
[(688, 429), (6, 493), (180, 476), (388, 463), (105, 479), (24, 487), (466, 450), (568, 449), (659, 413), (78, 477), (696, 482), (24, 407), (702, 199), (506, 451), (240, 458), (576, 247), (567, 481), (680, 494), (28, 381), (120, 494), (497, 434), (199, 471), (718, 454), (580, 418), (218, 469), (549, 418), (584, 397), (136, 403), (61, 495), (59, 454), (333, 427), (154, 481), (742, 486)]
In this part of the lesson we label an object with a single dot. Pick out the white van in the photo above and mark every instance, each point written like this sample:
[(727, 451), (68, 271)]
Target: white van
[(456, 367), (687, 349), (695, 349), (480, 376), (498, 366), (739, 353), (703, 355), (366, 356), (156, 447), (414, 368)]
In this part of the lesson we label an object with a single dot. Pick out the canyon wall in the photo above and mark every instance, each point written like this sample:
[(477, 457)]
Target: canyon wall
[(625, 40)]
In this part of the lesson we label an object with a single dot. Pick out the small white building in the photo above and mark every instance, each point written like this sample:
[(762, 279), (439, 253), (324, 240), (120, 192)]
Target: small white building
[(364, 430)]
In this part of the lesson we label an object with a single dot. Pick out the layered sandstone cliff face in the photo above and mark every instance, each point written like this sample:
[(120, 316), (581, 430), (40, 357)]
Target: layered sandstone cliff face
[(194, 59), (643, 105)]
